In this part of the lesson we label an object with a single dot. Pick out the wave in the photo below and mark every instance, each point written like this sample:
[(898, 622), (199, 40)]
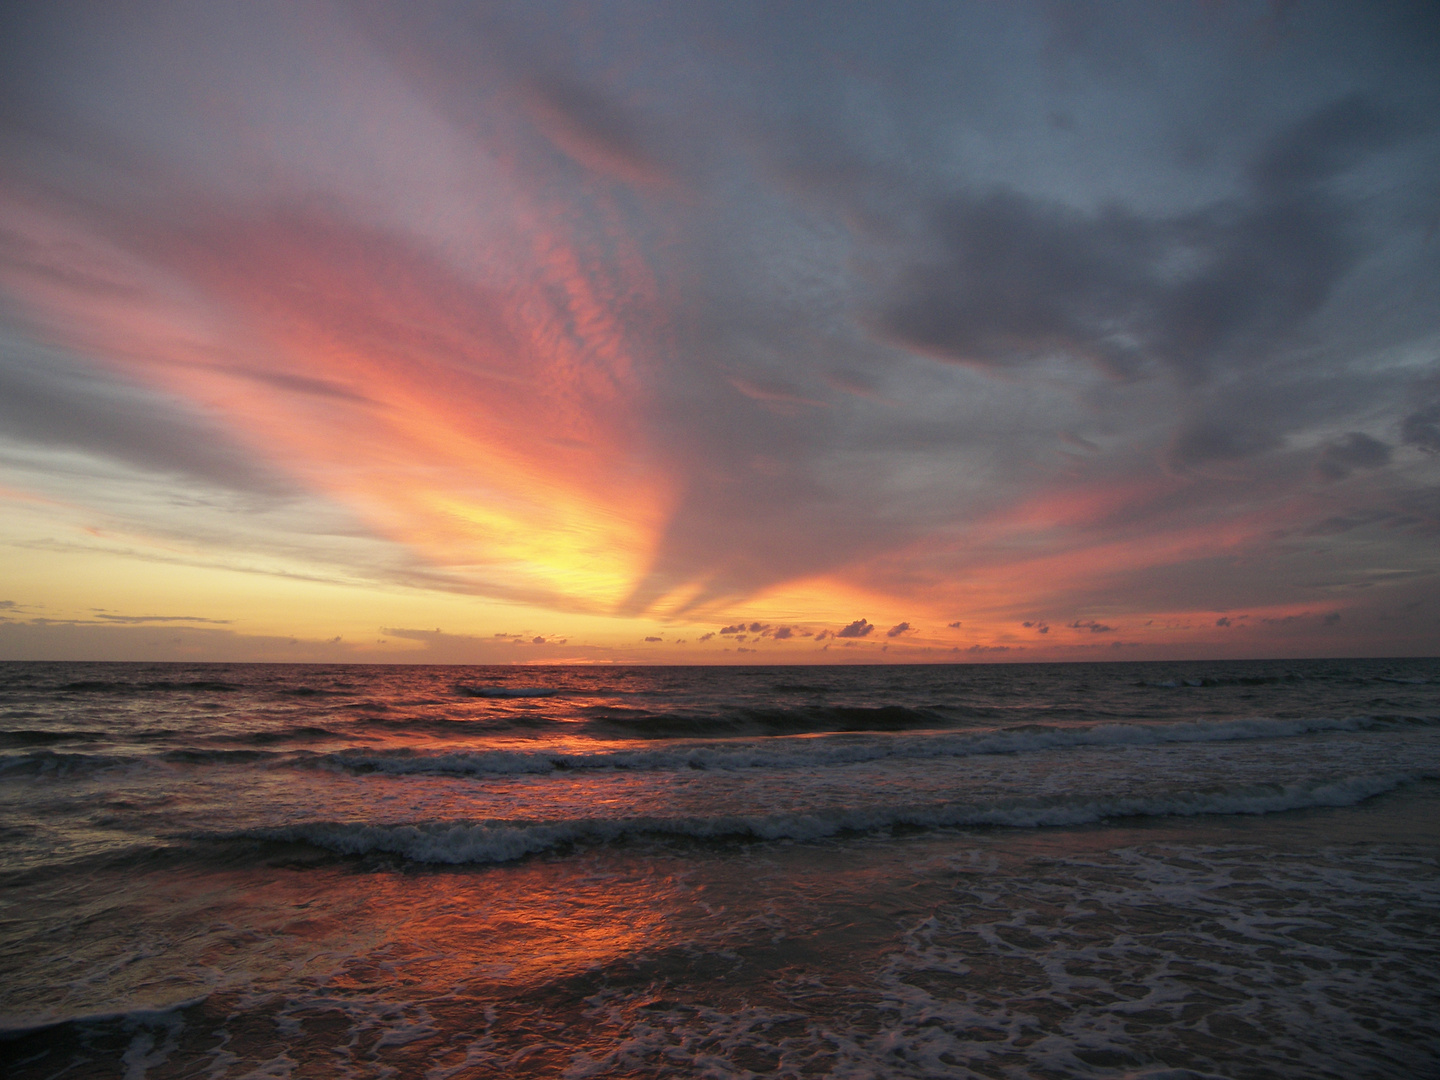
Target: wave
[(457, 842), (62, 764), (308, 733), (164, 1016), (812, 753), (1291, 679), (643, 724), (51, 763), (506, 691), (36, 737), (101, 686), (194, 756), (1224, 680)]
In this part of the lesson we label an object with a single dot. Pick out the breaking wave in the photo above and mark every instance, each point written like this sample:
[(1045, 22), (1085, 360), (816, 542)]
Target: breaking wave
[(804, 753), (454, 842)]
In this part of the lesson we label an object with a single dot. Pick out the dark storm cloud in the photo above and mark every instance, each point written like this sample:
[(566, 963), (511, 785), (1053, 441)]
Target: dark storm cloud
[(1015, 278)]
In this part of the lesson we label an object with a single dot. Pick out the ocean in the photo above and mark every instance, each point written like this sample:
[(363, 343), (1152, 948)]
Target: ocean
[(1157, 870)]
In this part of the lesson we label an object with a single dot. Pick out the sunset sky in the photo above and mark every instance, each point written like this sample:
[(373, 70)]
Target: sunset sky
[(719, 332)]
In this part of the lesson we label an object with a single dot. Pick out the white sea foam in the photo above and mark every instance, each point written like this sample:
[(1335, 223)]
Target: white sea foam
[(806, 752), (1122, 963), (503, 841)]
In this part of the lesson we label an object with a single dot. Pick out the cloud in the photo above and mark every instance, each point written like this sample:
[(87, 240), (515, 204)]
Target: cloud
[(1355, 451), (1422, 429), (1091, 625), (139, 619), (954, 625), (1037, 626), (300, 384), (653, 639), (898, 629), (679, 281), (1212, 440), (1356, 519), (593, 129), (50, 400), (783, 632), (1222, 621), (1005, 278)]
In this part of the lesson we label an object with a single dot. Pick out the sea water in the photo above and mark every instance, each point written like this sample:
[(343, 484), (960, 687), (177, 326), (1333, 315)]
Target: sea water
[(1222, 869)]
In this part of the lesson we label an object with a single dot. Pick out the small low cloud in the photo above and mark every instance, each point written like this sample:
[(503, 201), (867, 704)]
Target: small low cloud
[(1224, 620), (1039, 626), (857, 629), (987, 648), (782, 633), (537, 640), (898, 629), (738, 629), (707, 637), (954, 625), (1093, 626), (652, 639)]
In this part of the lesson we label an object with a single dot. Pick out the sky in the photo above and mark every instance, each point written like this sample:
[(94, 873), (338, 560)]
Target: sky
[(719, 332)]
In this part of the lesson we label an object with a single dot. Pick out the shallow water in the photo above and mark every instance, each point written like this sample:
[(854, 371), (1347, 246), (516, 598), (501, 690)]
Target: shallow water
[(1021, 871)]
